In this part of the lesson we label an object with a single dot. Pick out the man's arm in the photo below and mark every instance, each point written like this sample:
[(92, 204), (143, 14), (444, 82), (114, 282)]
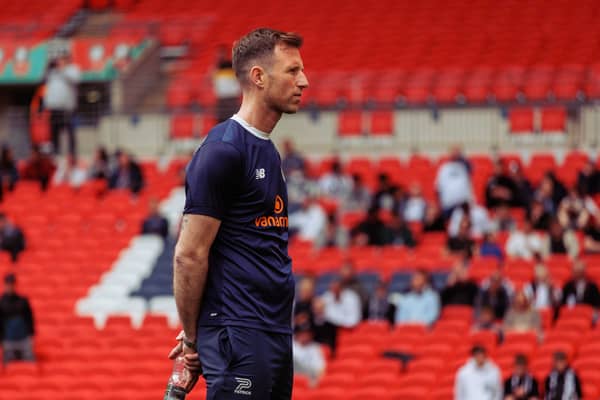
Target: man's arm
[(190, 267)]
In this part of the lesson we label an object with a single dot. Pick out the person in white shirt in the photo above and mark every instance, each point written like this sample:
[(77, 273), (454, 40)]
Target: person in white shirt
[(453, 182), (540, 291), (335, 183), (525, 243), (478, 216), (60, 98), (342, 306), (478, 379), (415, 205), (309, 222), (308, 354)]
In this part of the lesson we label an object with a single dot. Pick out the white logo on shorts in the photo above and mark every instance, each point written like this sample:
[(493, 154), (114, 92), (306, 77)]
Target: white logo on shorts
[(243, 386), (260, 173)]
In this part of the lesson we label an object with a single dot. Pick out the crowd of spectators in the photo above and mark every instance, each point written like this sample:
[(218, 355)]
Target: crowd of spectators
[(535, 221)]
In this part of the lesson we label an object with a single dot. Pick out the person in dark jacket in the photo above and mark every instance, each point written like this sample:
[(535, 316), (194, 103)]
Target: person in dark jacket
[(460, 289), (9, 174), (371, 231), (580, 289), (12, 239), (521, 385), (39, 168), (127, 174), (495, 294), (16, 324), (588, 179), (562, 382), (155, 223)]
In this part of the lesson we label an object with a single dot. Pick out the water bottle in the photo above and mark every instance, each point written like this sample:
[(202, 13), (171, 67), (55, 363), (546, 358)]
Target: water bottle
[(176, 382)]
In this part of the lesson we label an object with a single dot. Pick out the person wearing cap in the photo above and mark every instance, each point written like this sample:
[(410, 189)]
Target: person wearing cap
[(478, 379), (60, 98), (521, 385), (16, 324), (562, 383)]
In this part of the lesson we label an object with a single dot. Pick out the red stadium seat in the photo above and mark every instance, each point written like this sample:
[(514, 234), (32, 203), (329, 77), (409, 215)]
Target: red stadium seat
[(554, 119), (350, 123), (521, 120), (182, 126), (381, 123)]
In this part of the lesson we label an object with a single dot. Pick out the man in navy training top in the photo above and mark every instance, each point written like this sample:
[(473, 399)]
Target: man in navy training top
[(233, 281)]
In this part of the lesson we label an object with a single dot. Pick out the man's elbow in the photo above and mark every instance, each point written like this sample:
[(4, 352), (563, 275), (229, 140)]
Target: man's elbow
[(185, 259)]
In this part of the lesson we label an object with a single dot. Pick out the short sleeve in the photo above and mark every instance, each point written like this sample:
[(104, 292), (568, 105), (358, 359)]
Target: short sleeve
[(211, 179)]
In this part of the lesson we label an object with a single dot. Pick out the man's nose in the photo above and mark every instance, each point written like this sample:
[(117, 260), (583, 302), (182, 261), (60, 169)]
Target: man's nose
[(302, 80)]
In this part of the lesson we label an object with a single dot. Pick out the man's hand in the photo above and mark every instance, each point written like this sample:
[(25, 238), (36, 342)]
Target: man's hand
[(193, 367)]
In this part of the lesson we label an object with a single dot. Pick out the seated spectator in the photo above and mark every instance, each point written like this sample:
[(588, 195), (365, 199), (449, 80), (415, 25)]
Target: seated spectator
[(489, 247), (477, 215), (292, 160), (299, 190), (12, 239), (379, 308), (309, 359), (384, 193), (525, 243), (561, 241), (588, 179), (580, 289), (462, 243), (420, 305), (460, 289), (359, 197), (433, 221), (575, 209), (486, 321), (335, 183), (538, 217), (334, 235), (70, 173), (496, 293), (521, 317), (100, 166), (127, 174), (524, 190), (591, 239), (371, 231), (541, 292), (500, 189), (415, 204), (502, 220), (453, 182), (400, 233), (9, 174), (304, 299), (550, 192), (478, 379), (349, 280), (39, 168), (342, 306), (521, 385), (325, 332), (16, 324), (308, 222), (562, 382), (155, 223)]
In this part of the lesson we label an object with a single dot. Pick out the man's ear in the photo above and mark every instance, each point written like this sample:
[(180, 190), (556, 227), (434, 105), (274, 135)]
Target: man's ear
[(257, 76)]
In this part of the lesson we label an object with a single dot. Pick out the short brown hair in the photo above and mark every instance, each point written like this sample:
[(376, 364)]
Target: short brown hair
[(259, 43)]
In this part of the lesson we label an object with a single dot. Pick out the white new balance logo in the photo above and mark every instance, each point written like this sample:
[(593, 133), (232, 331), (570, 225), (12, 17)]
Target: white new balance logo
[(260, 173), (244, 386)]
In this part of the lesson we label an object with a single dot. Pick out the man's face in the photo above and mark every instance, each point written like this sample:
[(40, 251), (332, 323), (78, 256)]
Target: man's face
[(285, 80), (9, 288), (418, 282), (560, 364), (479, 358), (520, 369)]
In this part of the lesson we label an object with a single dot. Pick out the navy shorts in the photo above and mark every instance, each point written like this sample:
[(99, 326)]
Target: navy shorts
[(243, 364)]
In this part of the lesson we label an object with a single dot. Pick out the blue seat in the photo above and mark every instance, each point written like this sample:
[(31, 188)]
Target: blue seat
[(439, 279), (400, 282)]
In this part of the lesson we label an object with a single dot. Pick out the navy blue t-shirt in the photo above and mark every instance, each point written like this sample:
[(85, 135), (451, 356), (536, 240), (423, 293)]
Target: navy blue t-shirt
[(235, 176)]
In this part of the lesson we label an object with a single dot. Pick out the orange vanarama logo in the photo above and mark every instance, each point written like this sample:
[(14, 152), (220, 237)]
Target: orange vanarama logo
[(272, 221), (278, 204)]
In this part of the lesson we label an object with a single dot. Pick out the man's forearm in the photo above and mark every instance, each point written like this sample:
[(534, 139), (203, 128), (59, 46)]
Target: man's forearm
[(189, 278)]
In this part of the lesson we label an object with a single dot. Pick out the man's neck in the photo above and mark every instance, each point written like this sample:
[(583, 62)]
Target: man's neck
[(258, 114)]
